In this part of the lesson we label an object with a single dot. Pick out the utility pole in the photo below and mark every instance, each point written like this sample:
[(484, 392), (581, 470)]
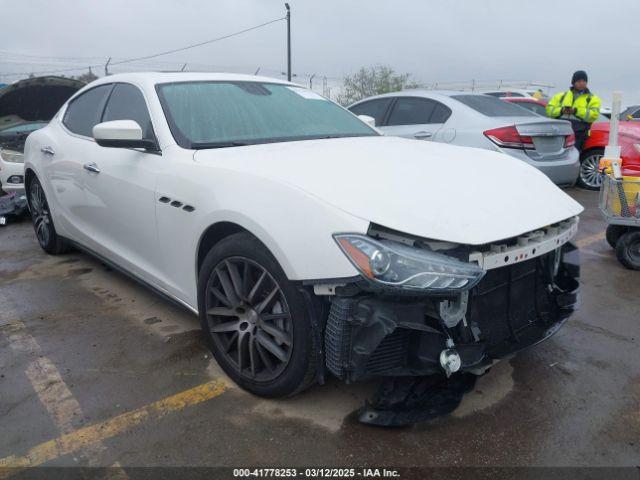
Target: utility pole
[(288, 17), (106, 67), (311, 81)]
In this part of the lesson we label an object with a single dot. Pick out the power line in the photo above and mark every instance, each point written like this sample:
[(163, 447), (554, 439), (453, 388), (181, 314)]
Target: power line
[(61, 70), (48, 57), (147, 57), (224, 37), (164, 65)]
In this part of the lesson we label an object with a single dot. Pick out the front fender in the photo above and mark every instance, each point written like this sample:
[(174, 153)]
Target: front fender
[(296, 227)]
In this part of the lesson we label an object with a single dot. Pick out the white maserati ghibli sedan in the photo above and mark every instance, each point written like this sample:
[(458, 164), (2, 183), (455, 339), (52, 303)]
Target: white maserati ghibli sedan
[(306, 242)]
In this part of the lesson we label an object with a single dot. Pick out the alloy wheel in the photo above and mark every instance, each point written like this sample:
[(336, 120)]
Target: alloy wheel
[(40, 214), (249, 319), (589, 174)]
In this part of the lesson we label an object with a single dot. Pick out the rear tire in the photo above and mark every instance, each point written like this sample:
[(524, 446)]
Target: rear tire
[(628, 250), (589, 177), (255, 320), (49, 240)]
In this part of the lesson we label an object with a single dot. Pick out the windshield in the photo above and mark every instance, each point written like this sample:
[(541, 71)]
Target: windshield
[(492, 107), (214, 114), (25, 127)]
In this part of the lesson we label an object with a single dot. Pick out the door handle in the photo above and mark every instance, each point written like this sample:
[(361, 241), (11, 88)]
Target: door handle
[(422, 135), (91, 167), (47, 151)]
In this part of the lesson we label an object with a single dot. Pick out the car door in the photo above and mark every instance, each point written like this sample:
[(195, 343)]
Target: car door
[(119, 184), (415, 117), (66, 147)]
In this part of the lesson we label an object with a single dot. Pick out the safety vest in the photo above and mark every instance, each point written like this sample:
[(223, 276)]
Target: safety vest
[(587, 106)]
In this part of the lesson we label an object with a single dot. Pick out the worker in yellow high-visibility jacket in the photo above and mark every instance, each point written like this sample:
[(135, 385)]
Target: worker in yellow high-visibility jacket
[(578, 105)]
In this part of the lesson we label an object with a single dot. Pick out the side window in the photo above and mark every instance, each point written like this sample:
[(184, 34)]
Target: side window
[(127, 103), (84, 111), (373, 108), (440, 114), (411, 111)]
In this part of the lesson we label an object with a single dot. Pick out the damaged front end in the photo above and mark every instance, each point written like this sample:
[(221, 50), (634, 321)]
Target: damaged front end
[(513, 295)]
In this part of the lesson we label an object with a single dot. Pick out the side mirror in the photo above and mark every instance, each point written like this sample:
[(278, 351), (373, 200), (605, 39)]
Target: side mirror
[(368, 120), (121, 134)]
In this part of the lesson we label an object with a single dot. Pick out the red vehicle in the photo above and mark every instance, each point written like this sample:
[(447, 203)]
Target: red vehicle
[(593, 150)]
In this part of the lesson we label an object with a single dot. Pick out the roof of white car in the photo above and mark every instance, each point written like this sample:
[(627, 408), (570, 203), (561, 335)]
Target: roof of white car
[(168, 77), (526, 91), (421, 92)]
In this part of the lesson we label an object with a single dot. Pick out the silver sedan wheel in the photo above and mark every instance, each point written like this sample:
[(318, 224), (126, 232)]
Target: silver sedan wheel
[(589, 174)]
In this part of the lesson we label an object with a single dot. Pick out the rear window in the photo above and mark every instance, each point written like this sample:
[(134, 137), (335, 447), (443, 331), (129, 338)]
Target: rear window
[(492, 107), (533, 107), (504, 93)]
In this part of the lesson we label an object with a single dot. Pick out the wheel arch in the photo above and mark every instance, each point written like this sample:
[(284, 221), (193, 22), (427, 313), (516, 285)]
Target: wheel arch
[(213, 235), (588, 151), (222, 229), (29, 175)]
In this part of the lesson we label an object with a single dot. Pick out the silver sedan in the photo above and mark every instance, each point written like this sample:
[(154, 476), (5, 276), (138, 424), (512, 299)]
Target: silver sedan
[(481, 121)]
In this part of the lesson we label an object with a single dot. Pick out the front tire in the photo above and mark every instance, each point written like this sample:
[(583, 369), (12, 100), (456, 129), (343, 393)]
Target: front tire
[(589, 176), (49, 240), (255, 320), (628, 250)]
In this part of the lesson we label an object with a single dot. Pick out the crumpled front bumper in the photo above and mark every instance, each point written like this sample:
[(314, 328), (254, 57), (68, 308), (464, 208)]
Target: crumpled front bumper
[(512, 308)]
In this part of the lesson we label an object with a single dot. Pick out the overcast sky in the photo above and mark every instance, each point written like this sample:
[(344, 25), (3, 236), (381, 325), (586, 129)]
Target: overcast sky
[(434, 40)]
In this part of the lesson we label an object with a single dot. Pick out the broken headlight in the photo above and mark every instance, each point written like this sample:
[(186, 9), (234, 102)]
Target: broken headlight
[(397, 265)]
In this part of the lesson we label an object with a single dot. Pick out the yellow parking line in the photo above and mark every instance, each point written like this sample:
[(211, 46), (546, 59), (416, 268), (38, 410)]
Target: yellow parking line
[(586, 241), (53, 392), (57, 399), (91, 434)]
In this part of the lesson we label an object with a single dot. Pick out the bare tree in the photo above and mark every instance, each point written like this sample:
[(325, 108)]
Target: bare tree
[(374, 80)]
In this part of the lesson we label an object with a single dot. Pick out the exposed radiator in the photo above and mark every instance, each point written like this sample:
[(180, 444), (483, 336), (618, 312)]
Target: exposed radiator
[(389, 354)]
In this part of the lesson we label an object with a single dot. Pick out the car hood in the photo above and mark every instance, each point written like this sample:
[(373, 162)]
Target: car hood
[(456, 194), (35, 99)]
